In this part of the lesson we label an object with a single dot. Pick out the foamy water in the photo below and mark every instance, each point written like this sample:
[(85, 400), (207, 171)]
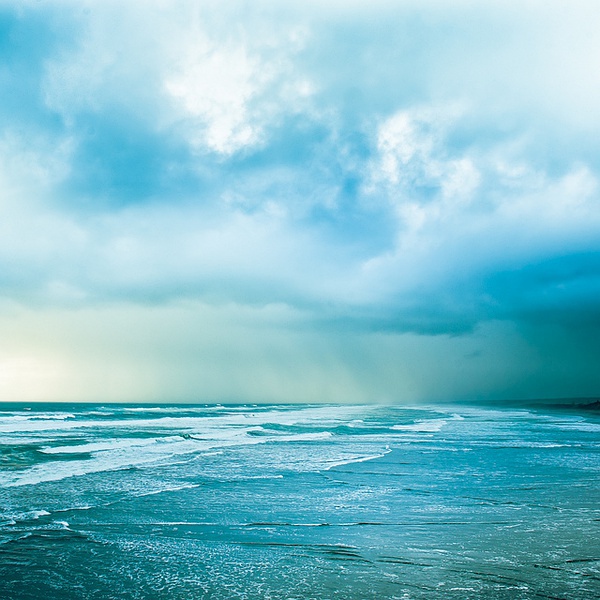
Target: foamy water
[(298, 502)]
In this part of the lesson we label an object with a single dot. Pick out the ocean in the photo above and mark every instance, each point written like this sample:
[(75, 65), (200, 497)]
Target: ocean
[(298, 502)]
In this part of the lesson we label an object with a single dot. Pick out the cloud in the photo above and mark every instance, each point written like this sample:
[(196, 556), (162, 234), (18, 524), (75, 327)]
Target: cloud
[(227, 93), (184, 71), (391, 169)]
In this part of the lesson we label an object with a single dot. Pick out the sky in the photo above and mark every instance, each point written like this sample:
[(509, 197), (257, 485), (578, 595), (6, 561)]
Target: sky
[(299, 201)]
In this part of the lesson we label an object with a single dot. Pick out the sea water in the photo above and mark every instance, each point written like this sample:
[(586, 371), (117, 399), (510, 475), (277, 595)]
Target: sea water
[(248, 502)]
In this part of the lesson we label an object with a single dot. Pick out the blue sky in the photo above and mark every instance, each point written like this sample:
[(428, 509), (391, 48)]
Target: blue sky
[(299, 201)]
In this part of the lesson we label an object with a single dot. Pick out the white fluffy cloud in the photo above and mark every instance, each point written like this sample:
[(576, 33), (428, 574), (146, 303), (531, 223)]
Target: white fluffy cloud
[(214, 89), (182, 68), (414, 161)]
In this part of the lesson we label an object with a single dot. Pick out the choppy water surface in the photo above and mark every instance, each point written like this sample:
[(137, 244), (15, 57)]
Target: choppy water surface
[(180, 502)]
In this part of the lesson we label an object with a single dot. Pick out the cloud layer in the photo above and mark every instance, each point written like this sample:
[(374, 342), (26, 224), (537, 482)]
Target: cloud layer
[(376, 173)]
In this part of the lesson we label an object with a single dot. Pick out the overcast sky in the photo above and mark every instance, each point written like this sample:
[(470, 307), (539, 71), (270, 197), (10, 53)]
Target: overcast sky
[(299, 201)]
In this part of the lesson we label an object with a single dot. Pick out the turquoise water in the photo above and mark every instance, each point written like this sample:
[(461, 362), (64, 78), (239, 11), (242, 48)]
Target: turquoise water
[(184, 502)]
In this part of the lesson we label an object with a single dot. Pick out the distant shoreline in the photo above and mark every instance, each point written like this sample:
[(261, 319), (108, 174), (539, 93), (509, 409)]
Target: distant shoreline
[(588, 404)]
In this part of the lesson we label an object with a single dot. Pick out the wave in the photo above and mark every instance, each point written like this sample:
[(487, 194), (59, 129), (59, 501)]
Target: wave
[(426, 426), (578, 425), (325, 415), (114, 455), (355, 459), (23, 517), (175, 488), (109, 444)]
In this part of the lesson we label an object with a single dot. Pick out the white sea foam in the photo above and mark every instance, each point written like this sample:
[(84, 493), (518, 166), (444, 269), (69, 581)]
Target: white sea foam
[(27, 423), (84, 507), (173, 409), (20, 518), (51, 416), (112, 455), (354, 459), (175, 488), (251, 477), (31, 515), (426, 426), (578, 425), (35, 416), (302, 416), (110, 444)]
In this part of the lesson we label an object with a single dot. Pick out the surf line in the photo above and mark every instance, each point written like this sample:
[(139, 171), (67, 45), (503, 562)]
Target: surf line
[(357, 459)]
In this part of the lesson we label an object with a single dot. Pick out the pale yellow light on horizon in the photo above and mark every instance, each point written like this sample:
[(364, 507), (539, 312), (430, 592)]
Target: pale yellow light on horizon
[(198, 353), (30, 378)]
